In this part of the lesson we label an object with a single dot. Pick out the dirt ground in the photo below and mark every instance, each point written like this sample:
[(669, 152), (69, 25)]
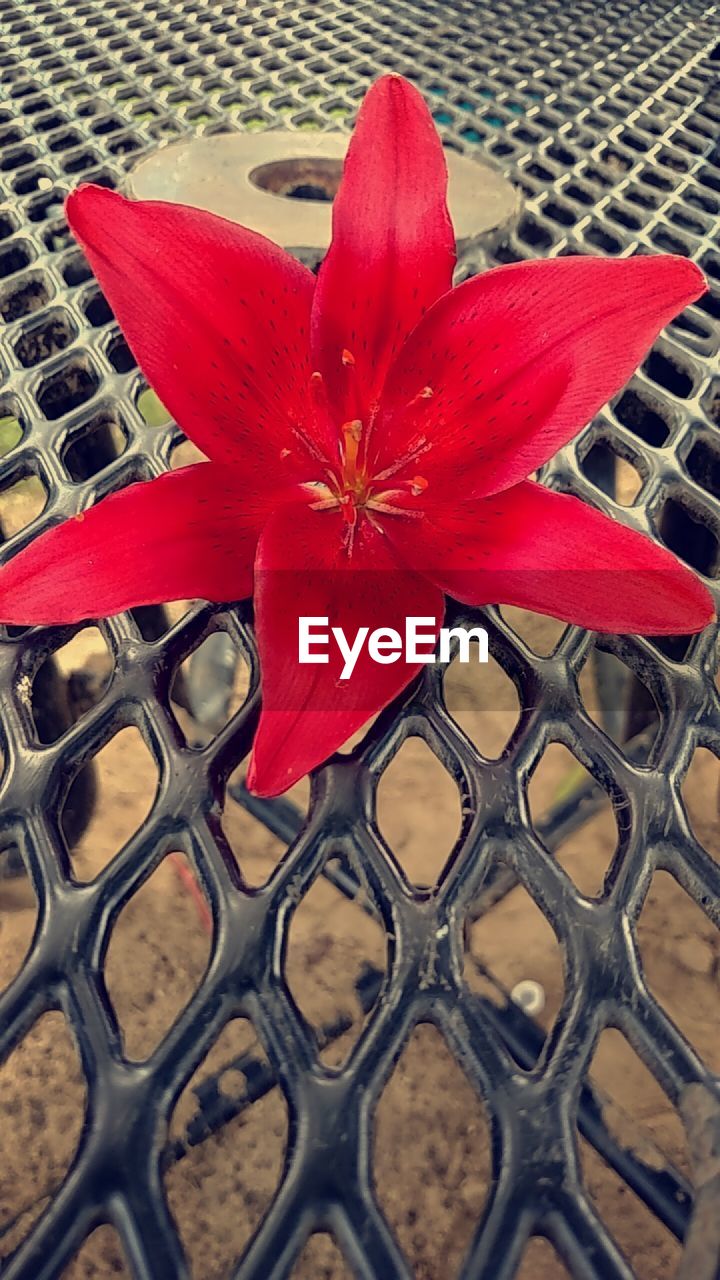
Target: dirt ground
[(431, 1155)]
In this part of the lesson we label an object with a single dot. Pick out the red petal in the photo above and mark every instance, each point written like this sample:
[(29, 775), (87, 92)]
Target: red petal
[(301, 570), (553, 554), (189, 533), (519, 359), (393, 247), (217, 317)]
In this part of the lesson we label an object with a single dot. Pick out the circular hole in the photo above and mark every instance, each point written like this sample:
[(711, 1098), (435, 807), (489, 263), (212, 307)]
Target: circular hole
[(302, 178)]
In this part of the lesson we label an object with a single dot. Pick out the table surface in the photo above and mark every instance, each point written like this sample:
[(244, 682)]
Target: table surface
[(606, 118)]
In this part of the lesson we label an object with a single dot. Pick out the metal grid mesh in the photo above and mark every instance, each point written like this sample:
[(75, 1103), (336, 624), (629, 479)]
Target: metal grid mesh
[(607, 118)]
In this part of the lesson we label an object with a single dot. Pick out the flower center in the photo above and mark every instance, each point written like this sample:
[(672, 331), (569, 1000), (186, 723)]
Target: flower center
[(349, 486)]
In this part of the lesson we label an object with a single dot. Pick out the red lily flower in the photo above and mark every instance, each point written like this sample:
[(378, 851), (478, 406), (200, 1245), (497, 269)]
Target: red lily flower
[(369, 434)]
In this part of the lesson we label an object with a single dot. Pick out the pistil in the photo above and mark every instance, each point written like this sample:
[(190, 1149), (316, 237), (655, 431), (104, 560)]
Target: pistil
[(352, 435)]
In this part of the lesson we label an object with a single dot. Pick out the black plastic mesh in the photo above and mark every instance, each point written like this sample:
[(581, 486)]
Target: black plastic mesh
[(607, 117)]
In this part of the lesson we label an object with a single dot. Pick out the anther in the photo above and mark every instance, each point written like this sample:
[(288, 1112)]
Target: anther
[(347, 357), (425, 393), (353, 430), (317, 389), (321, 409)]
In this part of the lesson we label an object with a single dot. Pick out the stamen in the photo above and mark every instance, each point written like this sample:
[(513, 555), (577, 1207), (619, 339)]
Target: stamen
[(380, 503), (352, 391), (325, 504), (420, 446), (317, 385), (309, 444), (319, 396), (321, 413), (386, 500)]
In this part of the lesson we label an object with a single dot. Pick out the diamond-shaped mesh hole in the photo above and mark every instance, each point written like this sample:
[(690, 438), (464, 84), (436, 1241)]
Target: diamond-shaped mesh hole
[(123, 779), (185, 454), (321, 1259), (617, 700), (689, 534), (70, 387), (153, 411), (22, 500), (14, 258), (18, 914), (69, 683), (42, 1100), (208, 687), (332, 944), (679, 949), (635, 1228), (100, 1258), (256, 849), (23, 299), (46, 206), (515, 943), (703, 464), (635, 1110), (94, 445), (159, 950), (541, 1262), (97, 309), (219, 1188), (559, 786), (540, 633), (701, 797), (483, 701), (645, 416), (45, 340), (76, 269), (418, 811), (669, 372), (431, 1155), (120, 356), (612, 473), (57, 236)]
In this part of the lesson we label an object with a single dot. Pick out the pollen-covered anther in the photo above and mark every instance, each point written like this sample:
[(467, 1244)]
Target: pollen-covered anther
[(418, 485), (318, 391), (425, 393), (348, 358)]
